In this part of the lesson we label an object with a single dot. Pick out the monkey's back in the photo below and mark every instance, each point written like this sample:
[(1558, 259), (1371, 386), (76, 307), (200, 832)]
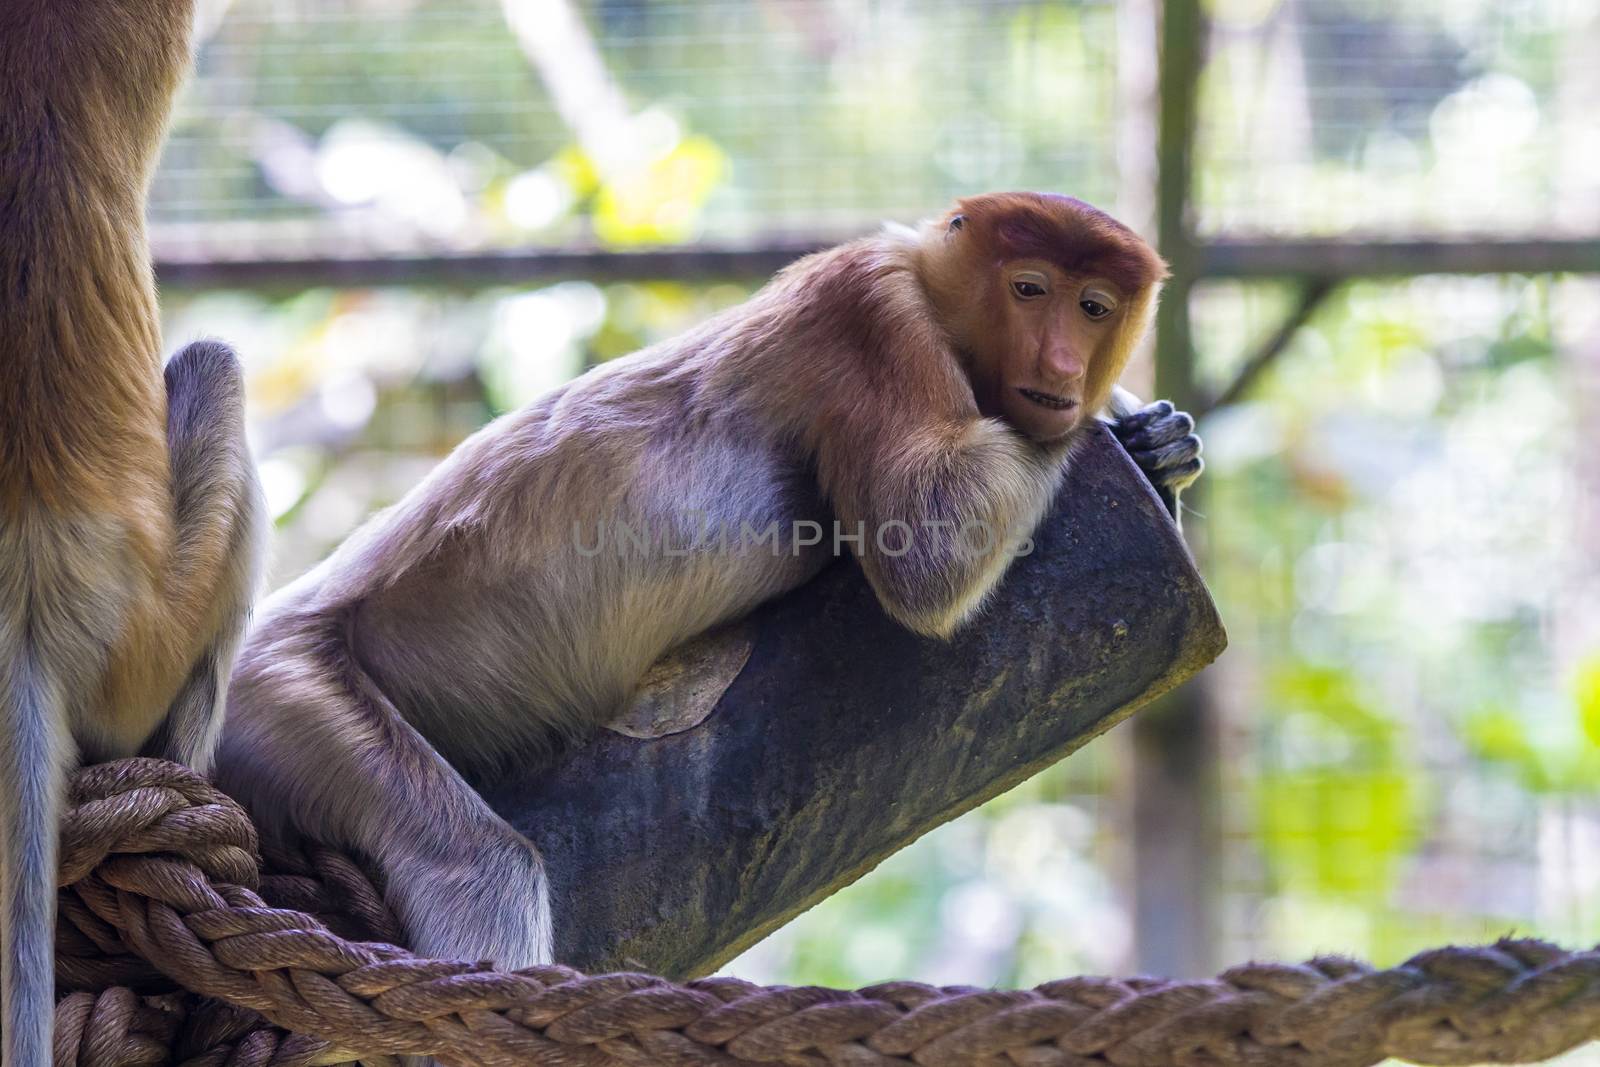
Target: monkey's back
[(578, 539)]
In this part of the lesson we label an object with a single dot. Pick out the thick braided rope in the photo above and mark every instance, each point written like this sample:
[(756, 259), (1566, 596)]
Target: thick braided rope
[(172, 954)]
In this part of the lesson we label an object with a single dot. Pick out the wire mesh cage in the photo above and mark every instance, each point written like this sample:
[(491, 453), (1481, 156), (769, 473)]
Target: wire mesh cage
[(376, 125), (410, 125), (1422, 116)]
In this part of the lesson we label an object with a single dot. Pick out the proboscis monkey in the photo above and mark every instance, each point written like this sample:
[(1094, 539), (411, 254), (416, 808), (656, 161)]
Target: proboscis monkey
[(129, 518), (918, 392)]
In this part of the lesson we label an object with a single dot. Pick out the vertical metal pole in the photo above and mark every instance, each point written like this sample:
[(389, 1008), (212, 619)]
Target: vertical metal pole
[(1182, 44), (1174, 747)]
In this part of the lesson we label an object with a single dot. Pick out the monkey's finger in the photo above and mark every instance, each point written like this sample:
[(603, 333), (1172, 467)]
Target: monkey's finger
[(1138, 420), (1183, 475), (1163, 431), (1169, 455)]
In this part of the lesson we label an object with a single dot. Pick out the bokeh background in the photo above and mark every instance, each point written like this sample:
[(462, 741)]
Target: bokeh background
[(1401, 517)]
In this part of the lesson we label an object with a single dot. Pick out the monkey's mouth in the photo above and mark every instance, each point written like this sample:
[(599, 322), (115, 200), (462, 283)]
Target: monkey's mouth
[(1049, 400)]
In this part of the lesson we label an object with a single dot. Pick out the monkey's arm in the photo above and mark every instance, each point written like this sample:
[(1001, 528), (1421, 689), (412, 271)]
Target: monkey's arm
[(940, 511), (1161, 440), (221, 527)]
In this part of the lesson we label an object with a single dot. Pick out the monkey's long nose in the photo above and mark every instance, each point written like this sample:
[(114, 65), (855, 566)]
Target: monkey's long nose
[(1062, 365)]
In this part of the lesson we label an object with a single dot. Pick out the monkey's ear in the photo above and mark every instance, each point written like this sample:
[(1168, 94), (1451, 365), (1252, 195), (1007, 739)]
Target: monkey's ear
[(956, 223)]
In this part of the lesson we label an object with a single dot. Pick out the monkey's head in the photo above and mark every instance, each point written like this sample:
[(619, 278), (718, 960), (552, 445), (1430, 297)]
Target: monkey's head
[(1045, 298)]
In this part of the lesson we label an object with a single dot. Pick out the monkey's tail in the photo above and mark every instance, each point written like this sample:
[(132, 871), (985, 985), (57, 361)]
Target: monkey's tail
[(32, 778)]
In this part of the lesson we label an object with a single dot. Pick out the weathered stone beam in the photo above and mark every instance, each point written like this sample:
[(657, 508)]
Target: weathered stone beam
[(845, 737)]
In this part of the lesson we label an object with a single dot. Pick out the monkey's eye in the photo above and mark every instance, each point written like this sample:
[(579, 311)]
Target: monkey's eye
[(1097, 303), (1027, 289)]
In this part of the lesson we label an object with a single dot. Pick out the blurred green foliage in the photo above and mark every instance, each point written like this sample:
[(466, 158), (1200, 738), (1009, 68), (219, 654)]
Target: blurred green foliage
[(1337, 808)]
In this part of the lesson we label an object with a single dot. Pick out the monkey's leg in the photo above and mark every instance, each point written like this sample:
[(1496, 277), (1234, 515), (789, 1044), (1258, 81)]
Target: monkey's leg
[(313, 741), (34, 752), (1161, 440), (221, 527)]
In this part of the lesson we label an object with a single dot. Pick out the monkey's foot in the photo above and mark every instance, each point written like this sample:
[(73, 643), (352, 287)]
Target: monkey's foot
[(1162, 441), (490, 904)]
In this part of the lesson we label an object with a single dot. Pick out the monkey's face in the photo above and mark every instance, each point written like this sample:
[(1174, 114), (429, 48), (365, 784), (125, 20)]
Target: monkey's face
[(1048, 334), (1045, 296)]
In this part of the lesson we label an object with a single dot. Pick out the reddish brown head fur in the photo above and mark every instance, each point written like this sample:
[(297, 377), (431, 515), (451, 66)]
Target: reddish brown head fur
[(1076, 236), (1046, 296)]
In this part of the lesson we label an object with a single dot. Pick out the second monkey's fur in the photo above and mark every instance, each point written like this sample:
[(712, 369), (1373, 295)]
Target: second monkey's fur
[(130, 526)]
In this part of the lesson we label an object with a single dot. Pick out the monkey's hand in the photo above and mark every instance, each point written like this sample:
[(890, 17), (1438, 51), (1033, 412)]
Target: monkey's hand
[(1161, 440)]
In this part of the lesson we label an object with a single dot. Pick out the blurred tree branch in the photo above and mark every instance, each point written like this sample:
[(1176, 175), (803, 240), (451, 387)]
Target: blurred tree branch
[(1311, 296)]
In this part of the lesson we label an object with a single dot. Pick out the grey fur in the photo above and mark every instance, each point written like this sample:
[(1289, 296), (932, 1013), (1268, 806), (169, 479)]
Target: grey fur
[(33, 754)]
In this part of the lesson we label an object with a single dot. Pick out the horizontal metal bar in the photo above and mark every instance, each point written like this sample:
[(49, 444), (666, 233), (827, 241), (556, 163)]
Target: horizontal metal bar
[(1328, 259), (1337, 259), (476, 270)]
